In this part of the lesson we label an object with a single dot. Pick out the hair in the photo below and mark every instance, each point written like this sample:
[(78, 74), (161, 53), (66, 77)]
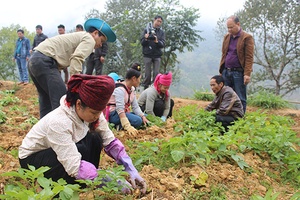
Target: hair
[(234, 18), (135, 70), (39, 27), (61, 26), (158, 17), (92, 29), (20, 30), (79, 26), (219, 79)]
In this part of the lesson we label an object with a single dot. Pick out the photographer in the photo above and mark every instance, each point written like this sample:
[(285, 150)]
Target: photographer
[(153, 40)]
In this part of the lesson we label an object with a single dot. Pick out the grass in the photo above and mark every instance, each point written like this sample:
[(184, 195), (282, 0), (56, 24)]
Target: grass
[(268, 100)]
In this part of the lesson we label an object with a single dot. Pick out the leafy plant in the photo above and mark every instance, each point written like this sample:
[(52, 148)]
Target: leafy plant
[(203, 95), (8, 99), (3, 117), (268, 196), (267, 100)]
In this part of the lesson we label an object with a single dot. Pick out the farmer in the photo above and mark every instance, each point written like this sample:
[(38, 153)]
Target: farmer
[(62, 51), (156, 100), (70, 138), (123, 107), (227, 104)]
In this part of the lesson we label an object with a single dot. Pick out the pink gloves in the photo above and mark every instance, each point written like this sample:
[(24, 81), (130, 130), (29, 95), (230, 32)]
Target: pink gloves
[(116, 150), (86, 171)]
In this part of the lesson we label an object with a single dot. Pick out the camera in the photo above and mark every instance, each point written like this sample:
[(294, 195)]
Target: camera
[(150, 31)]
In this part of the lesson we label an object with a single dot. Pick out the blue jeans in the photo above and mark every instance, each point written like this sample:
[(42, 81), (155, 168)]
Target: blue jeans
[(135, 120), (44, 73), (235, 80), (22, 67)]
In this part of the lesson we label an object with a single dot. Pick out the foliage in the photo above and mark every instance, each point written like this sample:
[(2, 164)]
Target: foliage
[(265, 99), (154, 120), (203, 95), (201, 141), (8, 98), (3, 117), (8, 37), (129, 18), (275, 28), (34, 185), (268, 196)]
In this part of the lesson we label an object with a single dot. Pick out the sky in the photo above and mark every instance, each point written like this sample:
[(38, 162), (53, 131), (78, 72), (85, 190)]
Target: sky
[(51, 13)]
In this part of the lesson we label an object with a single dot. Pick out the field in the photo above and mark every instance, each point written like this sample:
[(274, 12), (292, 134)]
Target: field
[(220, 178)]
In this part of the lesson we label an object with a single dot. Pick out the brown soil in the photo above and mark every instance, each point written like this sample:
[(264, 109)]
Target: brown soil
[(170, 184)]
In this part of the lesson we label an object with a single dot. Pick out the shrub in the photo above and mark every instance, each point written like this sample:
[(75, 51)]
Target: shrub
[(265, 99)]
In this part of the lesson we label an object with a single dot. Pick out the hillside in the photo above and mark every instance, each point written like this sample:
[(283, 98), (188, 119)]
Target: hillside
[(169, 184)]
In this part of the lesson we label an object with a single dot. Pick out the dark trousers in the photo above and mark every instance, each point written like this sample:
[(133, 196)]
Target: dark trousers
[(159, 107), (226, 120), (89, 147), (92, 64), (44, 73), (148, 63)]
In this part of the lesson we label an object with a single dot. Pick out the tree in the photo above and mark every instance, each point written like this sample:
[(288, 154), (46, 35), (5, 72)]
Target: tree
[(8, 37), (128, 19), (275, 28)]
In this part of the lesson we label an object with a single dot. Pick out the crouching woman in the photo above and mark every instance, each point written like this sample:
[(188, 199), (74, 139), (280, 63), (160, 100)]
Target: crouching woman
[(70, 138)]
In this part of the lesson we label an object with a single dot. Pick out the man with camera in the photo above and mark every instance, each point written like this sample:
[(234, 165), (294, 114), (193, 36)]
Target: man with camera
[(153, 40)]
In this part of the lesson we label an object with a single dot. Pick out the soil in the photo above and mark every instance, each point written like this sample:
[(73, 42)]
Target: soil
[(163, 185)]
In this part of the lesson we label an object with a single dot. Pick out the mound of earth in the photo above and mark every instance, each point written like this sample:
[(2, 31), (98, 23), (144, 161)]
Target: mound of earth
[(170, 184)]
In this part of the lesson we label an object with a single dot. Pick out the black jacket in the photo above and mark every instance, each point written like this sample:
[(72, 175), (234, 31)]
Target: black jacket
[(38, 39), (101, 51), (150, 48)]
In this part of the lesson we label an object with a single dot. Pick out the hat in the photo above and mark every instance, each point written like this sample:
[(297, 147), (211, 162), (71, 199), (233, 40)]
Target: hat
[(114, 76), (94, 91), (102, 26)]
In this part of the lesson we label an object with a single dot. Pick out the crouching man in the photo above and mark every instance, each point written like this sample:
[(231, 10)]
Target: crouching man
[(227, 104)]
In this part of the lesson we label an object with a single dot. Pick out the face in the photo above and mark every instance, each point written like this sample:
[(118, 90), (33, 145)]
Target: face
[(87, 114), (78, 29), (136, 81), (215, 87), (38, 31), (157, 22), (20, 34), (233, 28), (98, 39), (61, 31), (163, 88)]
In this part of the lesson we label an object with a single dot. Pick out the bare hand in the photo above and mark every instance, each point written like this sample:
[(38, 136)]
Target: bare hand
[(246, 79)]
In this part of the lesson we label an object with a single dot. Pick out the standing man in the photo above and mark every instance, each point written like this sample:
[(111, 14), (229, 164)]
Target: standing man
[(227, 104), (237, 58), (59, 52), (153, 40), (21, 56), (79, 27), (96, 60), (39, 37), (61, 30)]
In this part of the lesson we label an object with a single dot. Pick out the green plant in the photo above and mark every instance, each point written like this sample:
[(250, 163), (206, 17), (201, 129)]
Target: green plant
[(203, 95), (267, 100), (268, 196), (3, 117), (31, 184), (8, 99)]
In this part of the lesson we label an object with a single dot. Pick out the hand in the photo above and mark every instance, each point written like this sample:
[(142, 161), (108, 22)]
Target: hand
[(86, 171), (145, 120), (127, 126), (246, 79), (163, 118), (102, 59), (146, 36)]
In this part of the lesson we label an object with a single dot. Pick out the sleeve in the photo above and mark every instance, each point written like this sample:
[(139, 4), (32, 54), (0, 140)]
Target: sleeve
[(104, 49), (119, 94), (226, 103), (249, 53), (60, 140), (33, 44), (211, 106), (136, 108), (144, 42), (167, 107), (161, 40), (82, 51), (150, 100), (27, 48)]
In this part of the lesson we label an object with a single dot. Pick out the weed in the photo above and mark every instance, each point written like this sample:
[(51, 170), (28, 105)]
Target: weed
[(267, 100), (203, 95)]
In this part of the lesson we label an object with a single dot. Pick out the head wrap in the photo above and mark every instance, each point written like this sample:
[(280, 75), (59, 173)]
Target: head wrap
[(94, 91), (163, 79)]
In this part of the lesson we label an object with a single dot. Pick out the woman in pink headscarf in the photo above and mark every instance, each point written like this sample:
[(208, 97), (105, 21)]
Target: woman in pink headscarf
[(156, 100)]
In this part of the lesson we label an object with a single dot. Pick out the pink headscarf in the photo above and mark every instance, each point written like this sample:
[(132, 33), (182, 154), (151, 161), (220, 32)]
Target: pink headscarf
[(164, 79)]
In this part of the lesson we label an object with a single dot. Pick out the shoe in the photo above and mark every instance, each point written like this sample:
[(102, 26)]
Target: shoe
[(25, 83), (20, 83)]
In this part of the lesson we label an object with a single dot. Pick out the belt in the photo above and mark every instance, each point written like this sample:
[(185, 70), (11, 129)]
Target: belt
[(239, 69)]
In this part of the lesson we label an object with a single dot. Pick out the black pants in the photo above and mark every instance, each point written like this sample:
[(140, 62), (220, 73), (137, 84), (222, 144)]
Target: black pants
[(92, 64), (226, 120), (159, 107), (89, 147)]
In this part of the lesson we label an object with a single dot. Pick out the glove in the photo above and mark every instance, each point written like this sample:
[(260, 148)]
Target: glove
[(127, 127), (163, 118), (116, 150), (86, 171)]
